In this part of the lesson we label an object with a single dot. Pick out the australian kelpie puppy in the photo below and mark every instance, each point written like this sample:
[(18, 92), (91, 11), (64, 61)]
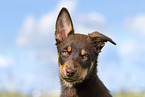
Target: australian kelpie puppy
[(77, 58)]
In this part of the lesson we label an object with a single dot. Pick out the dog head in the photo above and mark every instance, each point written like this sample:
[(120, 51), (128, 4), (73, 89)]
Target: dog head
[(77, 53)]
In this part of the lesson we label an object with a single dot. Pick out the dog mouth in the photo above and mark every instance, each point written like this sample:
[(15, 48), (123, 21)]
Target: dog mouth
[(68, 79)]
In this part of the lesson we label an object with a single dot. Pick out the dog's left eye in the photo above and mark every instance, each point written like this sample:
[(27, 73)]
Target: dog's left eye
[(85, 57)]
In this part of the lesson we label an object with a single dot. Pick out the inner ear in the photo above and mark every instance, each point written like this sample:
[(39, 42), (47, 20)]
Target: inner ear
[(99, 40), (64, 26), (98, 45)]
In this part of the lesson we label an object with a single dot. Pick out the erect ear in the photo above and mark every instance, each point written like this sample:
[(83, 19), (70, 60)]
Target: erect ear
[(64, 26), (99, 40)]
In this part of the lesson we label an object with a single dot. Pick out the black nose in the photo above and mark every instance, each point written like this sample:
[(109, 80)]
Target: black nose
[(70, 72)]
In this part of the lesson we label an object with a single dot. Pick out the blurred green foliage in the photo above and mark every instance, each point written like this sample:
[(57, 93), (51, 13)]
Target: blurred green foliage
[(129, 94), (120, 94)]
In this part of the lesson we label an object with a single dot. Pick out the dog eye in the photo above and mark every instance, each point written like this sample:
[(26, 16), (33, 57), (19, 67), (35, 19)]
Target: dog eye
[(85, 57), (65, 52)]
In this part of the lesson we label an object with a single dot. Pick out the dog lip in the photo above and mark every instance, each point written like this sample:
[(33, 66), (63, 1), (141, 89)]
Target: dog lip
[(68, 79)]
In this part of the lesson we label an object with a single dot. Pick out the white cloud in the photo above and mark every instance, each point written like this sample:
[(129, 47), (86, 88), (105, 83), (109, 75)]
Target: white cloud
[(133, 48), (127, 48), (4, 62), (132, 51), (136, 24), (90, 22), (45, 56), (35, 32)]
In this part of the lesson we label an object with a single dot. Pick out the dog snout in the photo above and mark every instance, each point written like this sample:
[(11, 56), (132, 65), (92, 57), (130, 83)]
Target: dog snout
[(70, 72)]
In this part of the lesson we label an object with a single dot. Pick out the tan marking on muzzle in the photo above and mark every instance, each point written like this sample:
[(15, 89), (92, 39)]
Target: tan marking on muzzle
[(62, 68)]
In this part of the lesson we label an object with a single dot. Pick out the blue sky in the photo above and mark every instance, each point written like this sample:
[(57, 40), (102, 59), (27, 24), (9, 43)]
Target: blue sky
[(28, 56)]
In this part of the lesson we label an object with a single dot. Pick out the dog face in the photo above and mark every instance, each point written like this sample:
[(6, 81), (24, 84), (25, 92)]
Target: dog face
[(77, 53), (76, 57)]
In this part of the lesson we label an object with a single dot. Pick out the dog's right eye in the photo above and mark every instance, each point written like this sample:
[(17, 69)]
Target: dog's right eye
[(65, 53)]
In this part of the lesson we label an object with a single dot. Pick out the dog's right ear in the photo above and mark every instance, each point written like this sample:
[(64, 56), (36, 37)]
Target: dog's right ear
[(64, 26)]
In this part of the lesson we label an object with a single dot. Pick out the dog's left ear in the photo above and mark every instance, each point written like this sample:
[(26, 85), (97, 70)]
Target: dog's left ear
[(64, 26), (99, 40)]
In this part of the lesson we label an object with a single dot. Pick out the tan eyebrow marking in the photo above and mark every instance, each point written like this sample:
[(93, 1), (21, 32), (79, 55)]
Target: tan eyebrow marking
[(83, 52), (69, 49)]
